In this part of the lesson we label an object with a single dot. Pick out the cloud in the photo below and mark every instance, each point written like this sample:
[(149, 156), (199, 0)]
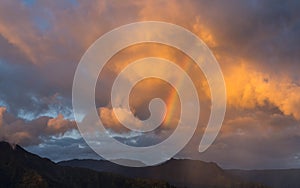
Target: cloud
[(59, 125), (249, 88), (255, 42), (25, 133), (254, 36), (256, 140), (110, 120)]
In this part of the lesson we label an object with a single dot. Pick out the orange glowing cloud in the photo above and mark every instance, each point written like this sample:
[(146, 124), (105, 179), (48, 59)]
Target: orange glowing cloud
[(250, 88)]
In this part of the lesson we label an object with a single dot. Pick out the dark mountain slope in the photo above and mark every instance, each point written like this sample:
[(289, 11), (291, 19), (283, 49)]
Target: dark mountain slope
[(182, 173), (19, 168), (289, 178)]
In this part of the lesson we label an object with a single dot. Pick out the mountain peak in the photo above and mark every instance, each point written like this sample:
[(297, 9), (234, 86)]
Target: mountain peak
[(6, 145)]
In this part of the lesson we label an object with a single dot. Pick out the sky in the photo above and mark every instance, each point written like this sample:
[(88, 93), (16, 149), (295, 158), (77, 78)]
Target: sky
[(256, 43)]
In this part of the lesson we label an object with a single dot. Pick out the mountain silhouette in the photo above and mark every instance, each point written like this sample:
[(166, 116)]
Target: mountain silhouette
[(181, 173), (19, 168), (280, 178)]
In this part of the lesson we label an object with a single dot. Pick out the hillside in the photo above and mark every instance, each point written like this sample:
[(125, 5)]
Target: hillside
[(19, 168), (182, 173), (283, 178)]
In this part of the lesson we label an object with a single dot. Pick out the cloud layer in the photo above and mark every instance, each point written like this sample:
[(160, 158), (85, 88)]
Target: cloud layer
[(255, 42), (26, 133)]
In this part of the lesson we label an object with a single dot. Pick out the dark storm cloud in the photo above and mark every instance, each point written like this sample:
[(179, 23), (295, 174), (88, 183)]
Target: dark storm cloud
[(25, 91), (251, 140), (264, 31)]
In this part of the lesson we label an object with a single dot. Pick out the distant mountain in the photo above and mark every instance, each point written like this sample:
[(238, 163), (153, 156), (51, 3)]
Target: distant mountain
[(289, 178), (19, 168), (181, 173)]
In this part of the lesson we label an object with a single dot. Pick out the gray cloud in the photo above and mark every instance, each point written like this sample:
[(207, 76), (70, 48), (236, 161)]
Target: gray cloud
[(64, 149), (25, 133)]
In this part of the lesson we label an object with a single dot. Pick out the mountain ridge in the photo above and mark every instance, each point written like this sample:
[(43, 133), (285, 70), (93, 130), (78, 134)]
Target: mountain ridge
[(275, 178), (179, 172), (19, 168)]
